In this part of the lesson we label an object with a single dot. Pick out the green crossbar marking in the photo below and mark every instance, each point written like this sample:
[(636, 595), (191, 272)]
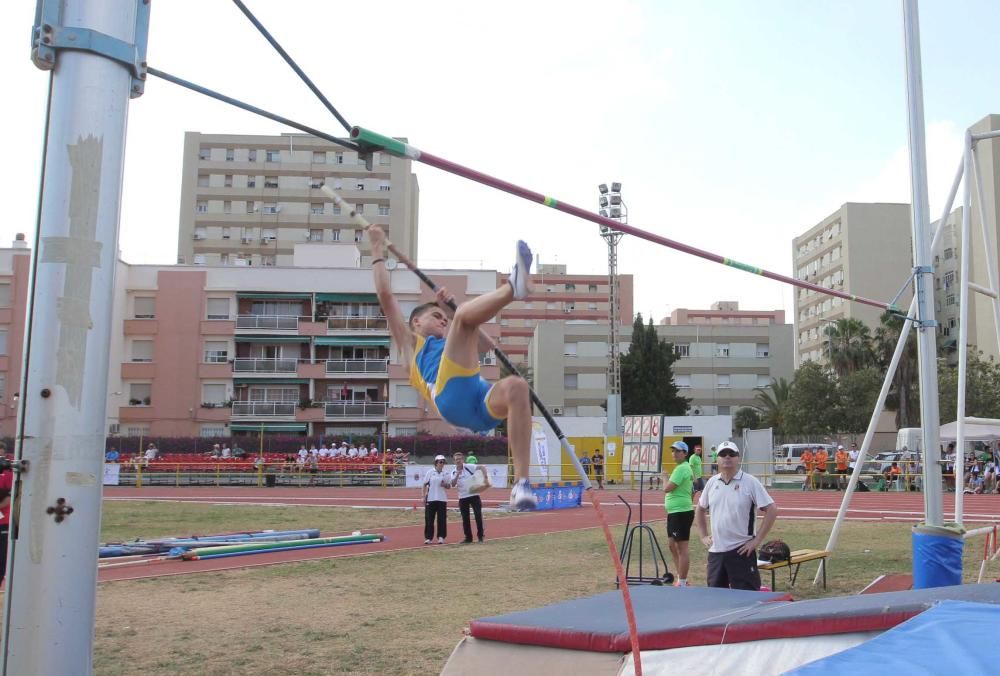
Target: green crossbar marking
[(550, 202), (895, 308), (741, 266), (390, 145)]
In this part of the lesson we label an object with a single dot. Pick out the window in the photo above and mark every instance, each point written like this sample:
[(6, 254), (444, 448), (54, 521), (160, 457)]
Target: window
[(140, 394), (763, 381), (319, 157), (763, 350), (3, 386), (406, 395), (218, 308), (202, 180), (137, 431), (268, 234), (270, 208), (682, 380), (315, 183), (592, 288), (360, 185), (273, 156), (204, 153), (591, 306), (3, 341), (338, 158), (227, 207), (383, 210), (198, 259), (682, 350), (722, 410), (225, 232), (251, 181), (316, 208), (949, 279), (949, 253), (569, 349), (144, 307), (335, 236), (214, 394), (570, 287), (216, 352), (201, 207), (949, 299), (142, 350), (336, 210), (316, 235), (722, 350), (4, 295), (268, 260), (214, 431), (359, 208), (384, 186), (270, 181), (230, 154), (201, 232), (570, 381), (251, 207), (251, 155), (722, 381), (358, 234), (227, 181), (384, 159)]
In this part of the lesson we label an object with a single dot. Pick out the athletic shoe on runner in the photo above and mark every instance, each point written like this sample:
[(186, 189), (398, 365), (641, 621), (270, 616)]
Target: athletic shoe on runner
[(520, 279), (440, 541), (522, 498)]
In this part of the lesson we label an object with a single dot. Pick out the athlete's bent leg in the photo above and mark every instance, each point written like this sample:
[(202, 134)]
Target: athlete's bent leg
[(510, 398)]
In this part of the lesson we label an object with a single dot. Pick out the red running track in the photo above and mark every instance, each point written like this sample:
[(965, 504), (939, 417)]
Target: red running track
[(822, 505)]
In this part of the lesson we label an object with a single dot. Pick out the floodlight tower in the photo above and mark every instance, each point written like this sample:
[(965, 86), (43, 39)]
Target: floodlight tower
[(612, 206)]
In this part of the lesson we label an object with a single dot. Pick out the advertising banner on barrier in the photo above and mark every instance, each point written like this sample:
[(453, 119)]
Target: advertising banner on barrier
[(112, 471), (541, 446), (415, 475)]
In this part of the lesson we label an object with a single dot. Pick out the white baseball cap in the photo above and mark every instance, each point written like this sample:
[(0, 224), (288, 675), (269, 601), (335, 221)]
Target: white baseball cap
[(440, 457)]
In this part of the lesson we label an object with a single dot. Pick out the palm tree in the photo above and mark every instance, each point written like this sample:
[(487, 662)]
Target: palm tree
[(849, 345), (772, 400), (904, 396)]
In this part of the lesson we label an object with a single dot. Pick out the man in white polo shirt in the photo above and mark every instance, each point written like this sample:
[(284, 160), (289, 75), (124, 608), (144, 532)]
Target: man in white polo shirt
[(733, 497)]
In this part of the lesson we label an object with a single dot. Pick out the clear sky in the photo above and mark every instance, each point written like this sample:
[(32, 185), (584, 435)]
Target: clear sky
[(733, 125)]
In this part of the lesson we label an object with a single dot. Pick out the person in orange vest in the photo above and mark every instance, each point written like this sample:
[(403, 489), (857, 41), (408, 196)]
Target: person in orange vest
[(821, 458), (807, 462), (841, 458)]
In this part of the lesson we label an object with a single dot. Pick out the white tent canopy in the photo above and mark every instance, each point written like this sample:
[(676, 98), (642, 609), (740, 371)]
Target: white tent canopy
[(976, 429)]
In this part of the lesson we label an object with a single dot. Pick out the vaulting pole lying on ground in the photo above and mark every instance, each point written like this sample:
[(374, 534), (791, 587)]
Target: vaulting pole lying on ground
[(563, 442)]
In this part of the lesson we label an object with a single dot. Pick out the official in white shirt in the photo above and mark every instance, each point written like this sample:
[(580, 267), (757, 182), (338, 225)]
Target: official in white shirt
[(463, 477), (436, 501), (733, 497)]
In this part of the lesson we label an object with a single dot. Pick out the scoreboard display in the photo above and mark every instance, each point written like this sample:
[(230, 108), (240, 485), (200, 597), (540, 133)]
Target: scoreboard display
[(642, 442)]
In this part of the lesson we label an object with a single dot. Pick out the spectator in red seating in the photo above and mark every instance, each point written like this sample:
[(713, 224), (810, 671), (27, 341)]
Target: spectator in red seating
[(373, 450), (151, 453), (238, 452), (303, 453), (352, 452), (337, 452), (362, 451), (226, 452), (6, 486), (258, 462), (214, 454), (324, 452)]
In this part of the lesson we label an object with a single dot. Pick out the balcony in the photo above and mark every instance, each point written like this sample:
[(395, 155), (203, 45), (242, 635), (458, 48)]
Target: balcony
[(268, 322), (253, 365), (347, 366), (356, 409), (264, 409), (353, 323)]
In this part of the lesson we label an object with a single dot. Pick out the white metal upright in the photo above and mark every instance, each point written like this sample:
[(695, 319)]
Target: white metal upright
[(51, 584)]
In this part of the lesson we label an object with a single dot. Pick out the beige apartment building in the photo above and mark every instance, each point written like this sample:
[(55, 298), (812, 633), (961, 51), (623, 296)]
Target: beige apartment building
[(724, 354), (863, 249), (248, 200)]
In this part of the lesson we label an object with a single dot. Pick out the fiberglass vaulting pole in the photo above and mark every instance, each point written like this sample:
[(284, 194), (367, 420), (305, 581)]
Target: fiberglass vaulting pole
[(923, 280), (51, 583)]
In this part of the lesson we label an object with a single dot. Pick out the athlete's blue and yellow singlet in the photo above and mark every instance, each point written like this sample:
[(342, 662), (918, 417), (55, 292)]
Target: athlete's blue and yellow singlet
[(459, 394)]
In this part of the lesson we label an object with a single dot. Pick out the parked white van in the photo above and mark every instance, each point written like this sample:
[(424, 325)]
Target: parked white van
[(788, 457)]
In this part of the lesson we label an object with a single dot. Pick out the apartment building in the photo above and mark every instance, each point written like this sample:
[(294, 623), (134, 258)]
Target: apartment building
[(863, 249), (248, 200), (947, 276), (15, 264), (559, 297), (724, 354)]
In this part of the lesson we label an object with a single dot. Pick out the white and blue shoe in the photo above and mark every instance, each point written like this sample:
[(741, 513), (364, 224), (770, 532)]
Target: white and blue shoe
[(522, 498), (520, 274)]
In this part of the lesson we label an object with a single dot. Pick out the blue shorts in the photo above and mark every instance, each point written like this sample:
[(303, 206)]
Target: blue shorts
[(461, 398)]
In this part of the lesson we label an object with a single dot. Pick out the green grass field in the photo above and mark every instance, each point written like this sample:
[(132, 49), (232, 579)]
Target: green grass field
[(390, 613)]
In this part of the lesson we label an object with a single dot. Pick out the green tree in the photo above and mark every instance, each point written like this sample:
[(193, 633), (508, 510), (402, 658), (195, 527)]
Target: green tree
[(746, 417), (647, 374), (856, 394), (848, 345), (904, 393), (982, 388), (812, 404), (773, 400)]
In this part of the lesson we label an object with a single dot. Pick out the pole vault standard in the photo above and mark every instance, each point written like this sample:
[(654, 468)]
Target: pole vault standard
[(563, 442), (95, 49)]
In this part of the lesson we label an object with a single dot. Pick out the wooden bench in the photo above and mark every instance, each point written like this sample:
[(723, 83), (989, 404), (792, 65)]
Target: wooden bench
[(799, 556)]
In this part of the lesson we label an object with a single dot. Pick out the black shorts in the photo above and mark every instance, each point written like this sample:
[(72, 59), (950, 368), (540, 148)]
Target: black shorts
[(679, 525), (731, 570)]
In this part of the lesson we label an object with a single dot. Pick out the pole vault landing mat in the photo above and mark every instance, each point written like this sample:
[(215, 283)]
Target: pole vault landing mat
[(591, 634)]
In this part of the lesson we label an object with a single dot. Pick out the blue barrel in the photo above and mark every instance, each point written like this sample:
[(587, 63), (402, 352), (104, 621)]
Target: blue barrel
[(937, 556)]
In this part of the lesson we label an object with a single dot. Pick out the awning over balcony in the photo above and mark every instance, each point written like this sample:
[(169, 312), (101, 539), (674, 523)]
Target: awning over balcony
[(271, 339), (270, 295), (346, 298), (350, 340), (269, 427), (270, 381)]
